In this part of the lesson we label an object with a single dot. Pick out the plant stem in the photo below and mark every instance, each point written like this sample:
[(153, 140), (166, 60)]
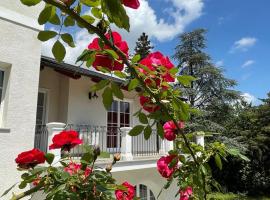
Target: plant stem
[(28, 192)]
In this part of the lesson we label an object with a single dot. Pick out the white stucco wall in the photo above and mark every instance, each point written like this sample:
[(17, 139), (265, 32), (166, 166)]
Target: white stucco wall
[(149, 177), (81, 110), (56, 86), (20, 55)]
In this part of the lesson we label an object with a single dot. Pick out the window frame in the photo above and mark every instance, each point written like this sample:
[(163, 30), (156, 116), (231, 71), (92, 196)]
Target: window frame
[(148, 191), (4, 92), (46, 105)]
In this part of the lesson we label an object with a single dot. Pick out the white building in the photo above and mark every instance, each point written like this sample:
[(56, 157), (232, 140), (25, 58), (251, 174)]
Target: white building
[(36, 90)]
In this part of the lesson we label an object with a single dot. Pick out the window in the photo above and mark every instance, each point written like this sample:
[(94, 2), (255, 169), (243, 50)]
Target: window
[(2, 73), (118, 116), (144, 193), (41, 108)]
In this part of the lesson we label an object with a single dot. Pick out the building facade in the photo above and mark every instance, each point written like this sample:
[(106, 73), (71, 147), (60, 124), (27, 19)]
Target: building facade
[(35, 91)]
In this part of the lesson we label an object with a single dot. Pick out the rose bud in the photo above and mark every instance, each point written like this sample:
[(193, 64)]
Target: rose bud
[(116, 157), (108, 168)]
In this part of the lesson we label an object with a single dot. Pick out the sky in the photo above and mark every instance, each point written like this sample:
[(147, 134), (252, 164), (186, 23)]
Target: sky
[(238, 36)]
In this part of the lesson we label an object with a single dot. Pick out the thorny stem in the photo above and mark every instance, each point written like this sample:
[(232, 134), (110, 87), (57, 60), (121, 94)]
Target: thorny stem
[(63, 7)]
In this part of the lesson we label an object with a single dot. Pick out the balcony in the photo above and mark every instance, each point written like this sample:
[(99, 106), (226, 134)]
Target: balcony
[(110, 141)]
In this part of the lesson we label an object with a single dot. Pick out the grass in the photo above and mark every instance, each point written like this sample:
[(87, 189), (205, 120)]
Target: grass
[(231, 196), (104, 154)]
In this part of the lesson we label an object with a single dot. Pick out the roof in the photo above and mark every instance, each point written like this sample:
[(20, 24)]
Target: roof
[(76, 71)]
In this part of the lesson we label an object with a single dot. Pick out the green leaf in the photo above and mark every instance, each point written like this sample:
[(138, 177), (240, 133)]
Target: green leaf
[(30, 2), (69, 21), (112, 53), (160, 130), (120, 74), (8, 190), (96, 12), (100, 85), (116, 13), (46, 35), (23, 184), (67, 38), (117, 91), (45, 15), (136, 58), (49, 158), (218, 161), (136, 130), (107, 98), (58, 51), (186, 80), (143, 118), (55, 20), (91, 3), (85, 55), (133, 84), (147, 132), (87, 18)]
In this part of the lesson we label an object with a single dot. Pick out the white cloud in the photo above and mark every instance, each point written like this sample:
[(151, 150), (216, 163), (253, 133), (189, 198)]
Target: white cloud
[(250, 98), (243, 44), (248, 63), (144, 19), (220, 63), (245, 76)]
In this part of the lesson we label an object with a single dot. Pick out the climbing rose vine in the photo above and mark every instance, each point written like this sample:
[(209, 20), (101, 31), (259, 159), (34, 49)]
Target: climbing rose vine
[(162, 110)]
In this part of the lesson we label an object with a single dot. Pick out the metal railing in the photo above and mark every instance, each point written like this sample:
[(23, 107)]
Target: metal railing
[(142, 147), (41, 137), (108, 140)]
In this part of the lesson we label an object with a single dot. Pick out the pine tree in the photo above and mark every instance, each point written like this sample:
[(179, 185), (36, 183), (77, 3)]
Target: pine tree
[(211, 89), (143, 46)]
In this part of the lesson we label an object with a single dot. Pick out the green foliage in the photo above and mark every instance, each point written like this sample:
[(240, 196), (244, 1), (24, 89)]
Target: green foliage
[(136, 130), (143, 46), (30, 2), (67, 38), (107, 97), (116, 13), (59, 51), (46, 35)]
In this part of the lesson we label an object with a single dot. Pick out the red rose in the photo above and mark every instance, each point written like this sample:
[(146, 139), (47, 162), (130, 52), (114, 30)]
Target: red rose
[(30, 159), (65, 140), (163, 166), (147, 104), (74, 168), (105, 60), (185, 194), (153, 62), (135, 4), (170, 129), (128, 194)]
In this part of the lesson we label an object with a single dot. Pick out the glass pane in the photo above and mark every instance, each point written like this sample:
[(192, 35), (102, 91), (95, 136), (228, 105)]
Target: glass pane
[(124, 107), (1, 95), (122, 118), (40, 99), (114, 106), (152, 197), (143, 192), (1, 78), (127, 116)]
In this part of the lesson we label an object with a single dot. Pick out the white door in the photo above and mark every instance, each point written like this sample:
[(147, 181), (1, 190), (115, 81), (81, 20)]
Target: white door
[(118, 116)]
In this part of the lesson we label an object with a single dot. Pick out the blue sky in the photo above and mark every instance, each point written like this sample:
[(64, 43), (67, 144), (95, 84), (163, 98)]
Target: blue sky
[(238, 35), (227, 22)]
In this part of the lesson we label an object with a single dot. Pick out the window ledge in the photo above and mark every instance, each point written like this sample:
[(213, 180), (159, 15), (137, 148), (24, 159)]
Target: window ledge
[(4, 130)]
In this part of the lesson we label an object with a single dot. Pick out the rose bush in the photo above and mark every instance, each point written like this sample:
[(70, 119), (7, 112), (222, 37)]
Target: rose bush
[(127, 194), (153, 76), (163, 165), (29, 159), (105, 60), (135, 4), (65, 140), (170, 130)]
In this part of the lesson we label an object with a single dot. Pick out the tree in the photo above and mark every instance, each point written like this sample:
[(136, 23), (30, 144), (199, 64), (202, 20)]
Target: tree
[(143, 46), (210, 84), (211, 92)]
